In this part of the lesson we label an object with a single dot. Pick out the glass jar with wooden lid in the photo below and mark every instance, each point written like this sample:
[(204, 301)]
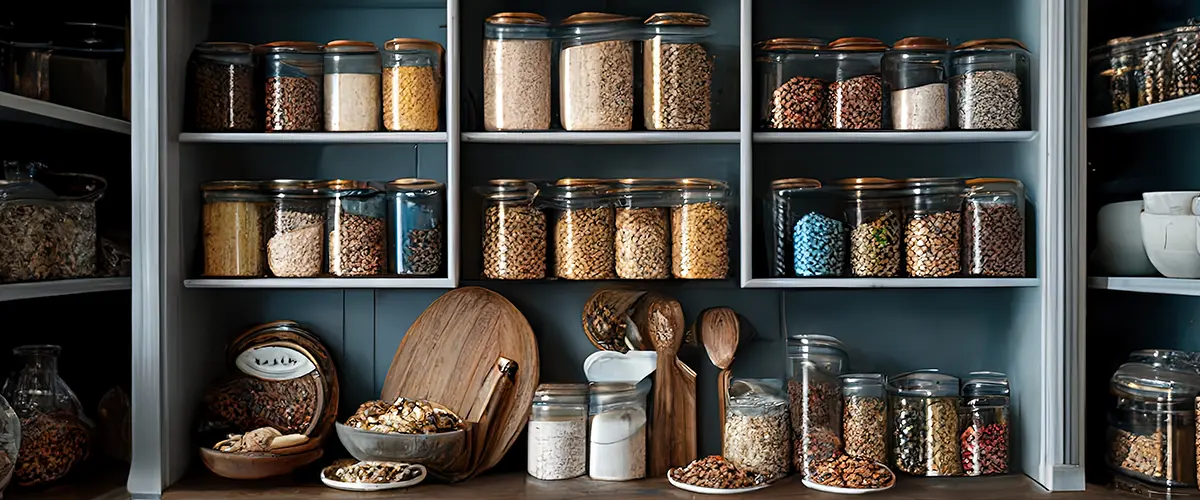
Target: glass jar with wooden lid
[(583, 229), (294, 77), (596, 77), (677, 68), (933, 227), (412, 84), (990, 85), (352, 102), (994, 243), (808, 235), (875, 214), (793, 80), (514, 230), (295, 225), (700, 229), (856, 94), (233, 229), (221, 88), (643, 228), (354, 220), (416, 226), (517, 48), (915, 74)]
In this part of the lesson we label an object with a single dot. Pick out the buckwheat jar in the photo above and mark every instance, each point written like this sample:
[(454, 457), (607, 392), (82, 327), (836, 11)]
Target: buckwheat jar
[(596, 71), (295, 228), (807, 234), (933, 227), (412, 85), (352, 101), (517, 49), (875, 216), (355, 223), (583, 230), (294, 76), (514, 231), (677, 72), (700, 229), (856, 94), (994, 239), (793, 83), (915, 73), (233, 229), (642, 242), (415, 226), (989, 86)]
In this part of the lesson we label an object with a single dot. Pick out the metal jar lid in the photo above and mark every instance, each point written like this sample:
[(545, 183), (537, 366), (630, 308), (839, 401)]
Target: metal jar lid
[(924, 383), (517, 19)]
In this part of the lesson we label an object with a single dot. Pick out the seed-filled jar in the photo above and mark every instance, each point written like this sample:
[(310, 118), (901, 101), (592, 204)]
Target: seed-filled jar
[(1185, 62), (923, 407), (815, 395), (412, 84), (856, 94), (864, 417), (915, 71), (676, 66), (294, 73), (617, 431), (517, 50), (995, 227), (355, 222), (874, 211), (221, 88), (757, 436), (514, 231), (583, 230), (985, 424), (233, 229), (793, 76), (1152, 431), (1123, 60), (699, 230), (933, 231), (351, 86), (990, 85), (807, 235), (295, 228), (415, 225), (558, 432), (642, 242), (596, 71), (1152, 75)]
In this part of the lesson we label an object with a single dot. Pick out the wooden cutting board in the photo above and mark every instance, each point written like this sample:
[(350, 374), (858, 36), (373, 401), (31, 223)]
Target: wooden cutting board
[(450, 350)]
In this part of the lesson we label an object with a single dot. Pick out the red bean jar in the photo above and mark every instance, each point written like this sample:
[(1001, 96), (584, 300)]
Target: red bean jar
[(984, 424)]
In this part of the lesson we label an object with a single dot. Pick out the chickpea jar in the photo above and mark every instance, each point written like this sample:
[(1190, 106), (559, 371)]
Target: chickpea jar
[(514, 231), (596, 71), (677, 68), (412, 85), (700, 230), (793, 83), (583, 230), (517, 49), (352, 102), (294, 77)]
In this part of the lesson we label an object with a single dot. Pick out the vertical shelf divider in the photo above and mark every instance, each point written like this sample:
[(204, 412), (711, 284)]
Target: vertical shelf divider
[(745, 143), (453, 139)]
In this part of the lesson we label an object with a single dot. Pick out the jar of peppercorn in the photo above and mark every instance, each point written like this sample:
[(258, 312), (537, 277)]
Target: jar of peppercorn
[(815, 397), (985, 424), (875, 215), (793, 83), (807, 233), (294, 86), (856, 94)]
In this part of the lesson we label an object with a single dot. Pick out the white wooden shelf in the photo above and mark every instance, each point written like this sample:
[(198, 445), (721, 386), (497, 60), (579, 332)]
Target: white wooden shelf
[(1174, 113), (1157, 285), (299, 283), (15, 108), (313, 137), (19, 291), (892, 283), (894, 136), (630, 137)]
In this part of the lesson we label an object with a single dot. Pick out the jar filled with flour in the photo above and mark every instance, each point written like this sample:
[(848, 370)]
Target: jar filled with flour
[(617, 440), (557, 432)]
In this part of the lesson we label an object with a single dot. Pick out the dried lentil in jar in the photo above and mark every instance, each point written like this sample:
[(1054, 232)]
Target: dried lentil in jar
[(352, 101), (294, 73), (699, 230), (583, 230), (757, 434), (296, 228), (356, 230), (815, 398), (412, 84), (793, 83), (221, 88), (677, 92), (864, 417), (933, 231), (915, 72), (807, 235), (989, 85), (642, 241), (517, 50), (233, 229), (514, 231), (558, 432), (874, 211), (596, 71), (415, 226), (985, 424), (856, 94), (1185, 61), (995, 228), (923, 409)]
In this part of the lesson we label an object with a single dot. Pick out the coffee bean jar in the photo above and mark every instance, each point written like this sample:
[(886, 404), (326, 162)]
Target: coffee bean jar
[(994, 243), (352, 102), (221, 88), (700, 230), (294, 74), (677, 68), (596, 71), (875, 213), (617, 419), (757, 435), (56, 437), (1152, 74), (354, 221), (1123, 62), (815, 398), (558, 432), (807, 235), (984, 424), (416, 223), (514, 231), (793, 83), (915, 74), (1185, 62), (642, 241), (933, 227), (412, 84), (232, 226), (923, 419), (1152, 429), (583, 229), (989, 85), (856, 93), (517, 50), (295, 228), (864, 415)]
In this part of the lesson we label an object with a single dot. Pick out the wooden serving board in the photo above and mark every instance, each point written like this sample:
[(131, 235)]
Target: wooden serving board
[(450, 350)]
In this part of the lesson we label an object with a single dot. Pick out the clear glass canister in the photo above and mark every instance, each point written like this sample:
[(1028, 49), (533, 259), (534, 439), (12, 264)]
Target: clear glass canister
[(995, 228), (596, 71), (517, 50), (814, 364), (794, 75), (700, 230), (583, 230), (1099, 74), (985, 424), (677, 68), (354, 220), (352, 102), (221, 88), (933, 227), (642, 241), (29, 70), (990, 85), (558, 432), (56, 437), (864, 416), (1152, 430), (233, 229), (1185, 62), (808, 237), (294, 75), (915, 73), (514, 231), (1152, 71), (757, 437), (412, 84), (875, 213), (415, 226), (617, 431), (295, 228), (10, 442), (87, 68), (1123, 62), (856, 94), (923, 409)]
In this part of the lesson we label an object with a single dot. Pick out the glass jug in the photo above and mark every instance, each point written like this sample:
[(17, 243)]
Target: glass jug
[(55, 436)]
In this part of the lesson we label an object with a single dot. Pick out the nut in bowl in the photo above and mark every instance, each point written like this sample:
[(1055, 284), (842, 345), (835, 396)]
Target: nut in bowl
[(850, 475), (713, 475), (349, 475), (409, 431)]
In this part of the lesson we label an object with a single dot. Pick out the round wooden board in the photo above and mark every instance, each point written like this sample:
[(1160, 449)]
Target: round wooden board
[(451, 348)]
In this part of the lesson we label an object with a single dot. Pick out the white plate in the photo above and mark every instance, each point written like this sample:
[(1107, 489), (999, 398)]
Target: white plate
[(372, 486), (844, 491), (713, 491)]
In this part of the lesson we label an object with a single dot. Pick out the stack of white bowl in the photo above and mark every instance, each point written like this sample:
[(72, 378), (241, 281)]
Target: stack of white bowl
[(1169, 224)]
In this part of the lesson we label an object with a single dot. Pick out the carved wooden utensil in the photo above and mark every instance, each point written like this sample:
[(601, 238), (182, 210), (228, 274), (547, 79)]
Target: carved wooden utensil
[(719, 331), (661, 319)]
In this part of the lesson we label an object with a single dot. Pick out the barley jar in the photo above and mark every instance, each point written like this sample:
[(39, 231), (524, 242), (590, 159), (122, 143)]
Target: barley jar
[(233, 229), (517, 50)]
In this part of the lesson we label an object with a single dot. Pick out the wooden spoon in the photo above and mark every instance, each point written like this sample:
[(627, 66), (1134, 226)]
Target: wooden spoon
[(719, 331)]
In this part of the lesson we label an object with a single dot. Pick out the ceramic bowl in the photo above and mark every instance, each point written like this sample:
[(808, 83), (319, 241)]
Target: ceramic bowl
[(1170, 242), (440, 453), (255, 465), (1170, 202), (1119, 249)]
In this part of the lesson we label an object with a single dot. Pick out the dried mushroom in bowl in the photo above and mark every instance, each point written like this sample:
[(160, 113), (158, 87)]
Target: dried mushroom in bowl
[(405, 416)]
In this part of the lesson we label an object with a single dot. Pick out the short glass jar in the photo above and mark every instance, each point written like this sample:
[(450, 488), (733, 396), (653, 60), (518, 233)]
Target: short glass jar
[(596, 71), (807, 235), (875, 214), (756, 437), (923, 418), (517, 49), (933, 227), (856, 94), (815, 394), (295, 225), (221, 90), (232, 224), (1152, 430), (1185, 61), (583, 229), (558, 432), (352, 102), (514, 231), (700, 230), (617, 431), (794, 75), (412, 84), (989, 85), (642, 240), (415, 226), (1152, 73), (1123, 61), (994, 243), (985, 426), (294, 74), (864, 416), (915, 73), (354, 220), (677, 68)]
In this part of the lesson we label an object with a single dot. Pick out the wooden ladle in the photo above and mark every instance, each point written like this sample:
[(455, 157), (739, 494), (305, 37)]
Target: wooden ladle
[(719, 331)]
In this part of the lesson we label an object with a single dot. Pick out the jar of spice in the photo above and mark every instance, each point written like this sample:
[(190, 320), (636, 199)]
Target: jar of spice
[(915, 71), (1185, 61), (677, 93), (617, 436), (412, 84), (995, 228), (864, 417), (874, 211), (642, 241), (354, 220), (699, 230), (793, 83), (807, 235), (55, 434), (415, 224), (815, 397), (933, 231), (296, 228), (923, 408), (294, 74), (757, 436), (985, 424), (233, 229), (516, 72), (1123, 60), (221, 88), (596, 71), (990, 85), (583, 230), (514, 231), (856, 94), (1152, 430), (558, 432), (352, 102)]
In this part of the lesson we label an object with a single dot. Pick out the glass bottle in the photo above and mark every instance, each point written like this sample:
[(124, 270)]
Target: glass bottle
[(794, 75), (352, 102), (923, 418), (557, 432), (617, 431), (55, 434), (517, 49), (864, 415), (221, 88), (989, 86), (995, 228), (596, 77), (415, 226), (815, 395), (985, 426), (915, 73), (294, 76), (856, 94), (677, 68), (412, 84)]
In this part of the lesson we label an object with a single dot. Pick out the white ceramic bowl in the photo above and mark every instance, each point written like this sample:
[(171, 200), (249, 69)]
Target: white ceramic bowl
[(1170, 242), (1119, 250), (1170, 202)]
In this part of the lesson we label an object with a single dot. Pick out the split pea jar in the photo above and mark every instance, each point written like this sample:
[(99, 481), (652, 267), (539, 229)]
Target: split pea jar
[(793, 83), (583, 230), (221, 89), (864, 415), (1151, 433), (815, 394), (915, 73), (416, 223), (233, 229), (994, 243), (558, 432), (517, 50), (514, 231), (933, 227), (700, 230), (295, 227), (856, 94), (354, 220), (985, 426), (596, 77), (412, 85), (989, 85), (677, 68), (642, 240), (875, 216), (807, 233), (352, 102), (923, 418), (294, 76)]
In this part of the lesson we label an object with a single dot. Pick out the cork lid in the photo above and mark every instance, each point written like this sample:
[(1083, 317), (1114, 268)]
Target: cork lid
[(413, 184), (921, 43), (677, 19), (795, 183), (992, 44), (412, 44), (591, 18), (978, 181), (578, 181), (290, 46), (225, 47), (350, 46), (698, 184), (858, 44), (781, 44), (518, 19)]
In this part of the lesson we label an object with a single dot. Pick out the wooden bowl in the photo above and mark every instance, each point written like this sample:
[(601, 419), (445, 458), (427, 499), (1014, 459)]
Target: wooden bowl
[(255, 465), (441, 453)]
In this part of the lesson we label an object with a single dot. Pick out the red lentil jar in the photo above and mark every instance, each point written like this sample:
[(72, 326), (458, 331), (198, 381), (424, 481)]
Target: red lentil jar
[(985, 424)]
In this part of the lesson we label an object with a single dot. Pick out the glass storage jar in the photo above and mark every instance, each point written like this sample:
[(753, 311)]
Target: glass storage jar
[(558, 432), (856, 94), (517, 48), (995, 228), (1100, 74), (49, 222), (55, 434), (221, 88), (596, 71), (1152, 70), (933, 227), (352, 101), (990, 85), (1185, 61), (794, 75), (6, 39), (415, 225), (583, 230), (985, 426), (10, 443), (642, 240), (677, 68), (923, 418), (233, 229), (29, 70), (354, 220), (1152, 430), (815, 396), (412, 84), (864, 416), (915, 73), (757, 436), (294, 73), (699, 230), (514, 231), (87, 68), (1123, 60), (617, 431), (874, 211), (295, 228), (807, 235)]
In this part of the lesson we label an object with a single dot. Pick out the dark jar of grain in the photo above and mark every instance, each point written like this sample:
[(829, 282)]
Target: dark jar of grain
[(984, 425), (232, 223), (596, 76), (416, 223), (1152, 74), (864, 416), (989, 85), (221, 88), (1099, 75), (295, 228), (923, 419), (700, 230), (352, 102), (642, 240), (815, 395), (793, 79), (29, 68), (915, 74), (1151, 434), (1185, 62), (807, 233), (294, 73), (354, 221), (875, 214), (1122, 65), (412, 85), (56, 437), (514, 231), (995, 228), (933, 227), (517, 50), (856, 94), (677, 68), (583, 229)]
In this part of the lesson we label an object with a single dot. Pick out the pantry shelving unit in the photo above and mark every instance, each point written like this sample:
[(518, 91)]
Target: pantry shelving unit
[(316, 138), (15, 108), (1156, 285), (1174, 113)]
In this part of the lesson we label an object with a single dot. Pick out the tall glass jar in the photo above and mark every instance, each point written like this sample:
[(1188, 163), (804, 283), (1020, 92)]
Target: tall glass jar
[(233, 229), (933, 228), (596, 71), (55, 434), (354, 220), (794, 75), (295, 228), (221, 88), (995, 228), (915, 72), (864, 415), (1185, 61), (415, 226), (294, 73), (700, 230), (856, 94), (990, 85), (875, 213), (1152, 430), (617, 431), (677, 68), (352, 102), (558, 432), (583, 230), (516, 72), (815, 395), (923, 409), (757, 435), (412, 84), (642, 240), (514, 231), (1123, 59), (807, 235), (1152, 75), (985, 424), (29, 70)]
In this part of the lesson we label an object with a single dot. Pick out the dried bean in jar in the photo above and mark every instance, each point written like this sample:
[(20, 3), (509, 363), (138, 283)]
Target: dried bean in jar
[(815, 407), (356, 245), (643, 243), (583, 247), (422, 251), (294, 104), (51, 446), (925, 436), (757, 441), (514, 243), (1185, 62), (864, 427), (995, 240), (988, 100), (222, 96), (875, 247), (932, 242), (800, 103), (699, 244), (820, 246), (985, 449), (677, 94), (856, 103)]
